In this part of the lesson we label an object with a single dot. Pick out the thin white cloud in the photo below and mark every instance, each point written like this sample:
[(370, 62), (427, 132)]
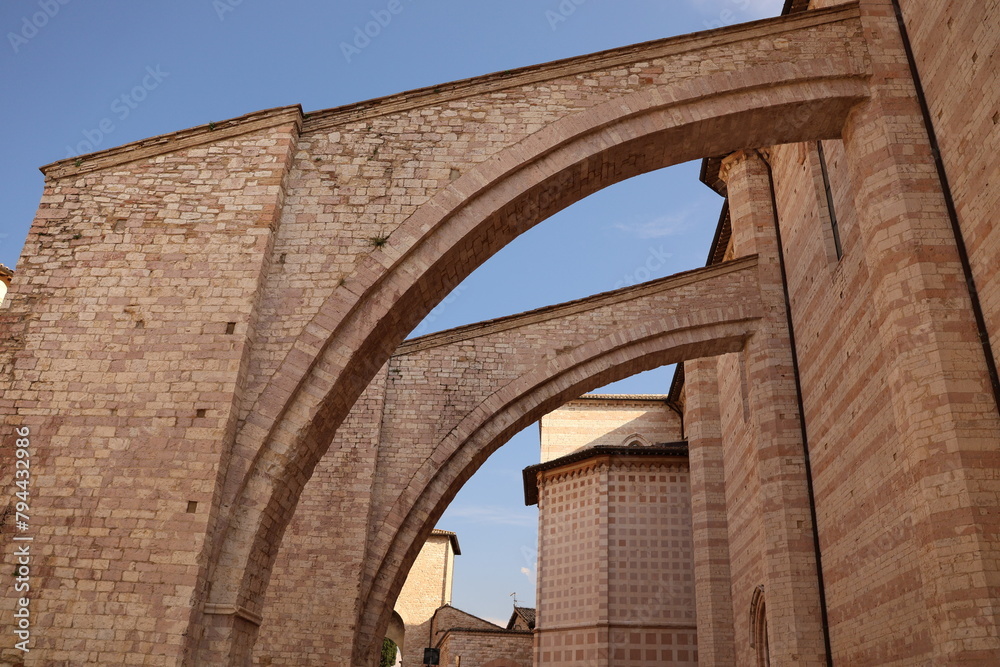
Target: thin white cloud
[(767, 7), (741, 10), (526, 571), (659, 227), (491, 514)]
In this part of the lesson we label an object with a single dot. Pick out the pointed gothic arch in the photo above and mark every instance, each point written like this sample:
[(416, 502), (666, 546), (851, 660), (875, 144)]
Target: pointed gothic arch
[(758, 628), (395, 287), (294, 419)]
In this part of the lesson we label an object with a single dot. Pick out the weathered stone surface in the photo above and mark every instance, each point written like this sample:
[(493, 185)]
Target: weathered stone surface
[(197, 315)]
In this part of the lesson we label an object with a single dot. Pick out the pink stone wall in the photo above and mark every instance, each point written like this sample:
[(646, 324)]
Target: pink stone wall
[(312, 602), (590, 421), (469, 648), (127, 338), (428, 587), (616, 583)]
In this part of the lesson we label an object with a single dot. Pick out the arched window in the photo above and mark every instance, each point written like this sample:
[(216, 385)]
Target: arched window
[(635, 440), (758, 628)]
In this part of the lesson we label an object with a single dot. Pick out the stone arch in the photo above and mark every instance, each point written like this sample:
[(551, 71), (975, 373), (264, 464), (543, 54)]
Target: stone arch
[(431, 386), (356, 331), (501, 415)]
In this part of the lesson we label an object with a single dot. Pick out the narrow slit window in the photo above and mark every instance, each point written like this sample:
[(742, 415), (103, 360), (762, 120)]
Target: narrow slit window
[(829, 201)]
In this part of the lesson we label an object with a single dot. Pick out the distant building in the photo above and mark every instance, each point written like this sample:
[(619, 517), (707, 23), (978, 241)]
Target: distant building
[(615, 551), (523, 618), (424, 618), (469, 641), (427, 588)]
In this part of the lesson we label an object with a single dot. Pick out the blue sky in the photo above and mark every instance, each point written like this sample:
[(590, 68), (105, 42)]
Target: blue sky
[(80, 75)]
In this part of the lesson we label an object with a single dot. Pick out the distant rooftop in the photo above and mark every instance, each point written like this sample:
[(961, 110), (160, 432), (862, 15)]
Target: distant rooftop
[(5, 276), (527, 613), (530, 474), (452, 536), (624, 397)]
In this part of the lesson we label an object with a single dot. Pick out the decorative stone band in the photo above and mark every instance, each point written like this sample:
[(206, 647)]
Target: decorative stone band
[(220, 609), (595, 457), (611, 625)]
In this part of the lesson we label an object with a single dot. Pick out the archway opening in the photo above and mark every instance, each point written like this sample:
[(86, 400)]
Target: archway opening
[(483, 592), (319, 402), (521, 403), (646, 227), (394, 643)]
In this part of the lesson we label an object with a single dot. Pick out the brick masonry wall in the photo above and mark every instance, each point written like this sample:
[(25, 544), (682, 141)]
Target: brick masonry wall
[(765, 376), (742, 493), (865, 527), (312, 602), (427, 587), (709, 524), (933, 445), (650, 565), (868, 499), (590, 422), (844, 399), (572, 581), (955, 44), (465, 648), (127, 336)]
